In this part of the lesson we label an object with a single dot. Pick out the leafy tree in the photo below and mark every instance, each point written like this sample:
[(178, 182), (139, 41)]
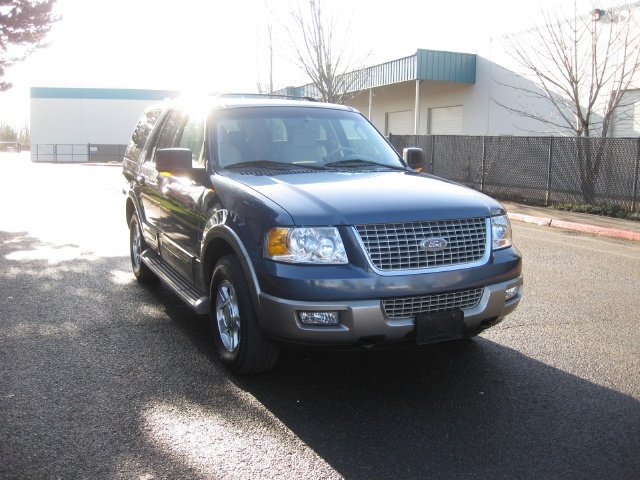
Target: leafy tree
[(581, 65), (24, 24), (24, 137), (7, 133)]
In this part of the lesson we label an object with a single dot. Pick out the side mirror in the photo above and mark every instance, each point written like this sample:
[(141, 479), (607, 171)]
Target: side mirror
[(173, 159), (177, 161), (414, 157)]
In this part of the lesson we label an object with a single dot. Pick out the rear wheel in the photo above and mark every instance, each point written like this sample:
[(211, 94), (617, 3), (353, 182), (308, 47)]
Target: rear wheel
[(137, 245), (241, 345)]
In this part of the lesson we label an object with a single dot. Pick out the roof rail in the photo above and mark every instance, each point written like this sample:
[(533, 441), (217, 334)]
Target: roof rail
[(273, 96)]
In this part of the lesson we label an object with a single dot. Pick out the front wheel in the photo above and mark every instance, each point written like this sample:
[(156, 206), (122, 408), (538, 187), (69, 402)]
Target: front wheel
[(137, 245), (241, 345)]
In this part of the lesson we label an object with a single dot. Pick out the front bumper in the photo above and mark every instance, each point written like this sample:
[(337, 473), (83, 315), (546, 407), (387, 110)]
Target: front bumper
[(364, 322)]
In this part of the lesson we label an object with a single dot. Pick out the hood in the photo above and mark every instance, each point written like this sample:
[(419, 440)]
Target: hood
[(348, 198)]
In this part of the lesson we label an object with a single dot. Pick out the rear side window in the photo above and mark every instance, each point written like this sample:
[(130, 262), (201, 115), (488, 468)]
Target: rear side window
[(141, 134)]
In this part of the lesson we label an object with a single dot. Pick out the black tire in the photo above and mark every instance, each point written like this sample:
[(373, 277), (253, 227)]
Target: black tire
[(241, 344), (137, 245)]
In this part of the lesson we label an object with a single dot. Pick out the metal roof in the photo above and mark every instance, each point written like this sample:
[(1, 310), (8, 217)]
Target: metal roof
[(432, 65), (445, 66)]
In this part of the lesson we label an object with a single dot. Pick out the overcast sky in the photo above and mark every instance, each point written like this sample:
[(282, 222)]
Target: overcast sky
[(220, 45)]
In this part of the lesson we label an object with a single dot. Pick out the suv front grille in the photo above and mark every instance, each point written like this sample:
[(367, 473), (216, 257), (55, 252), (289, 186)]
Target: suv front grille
[(430, 304), (395, 247)]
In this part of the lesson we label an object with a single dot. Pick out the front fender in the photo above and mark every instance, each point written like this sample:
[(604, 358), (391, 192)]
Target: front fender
[(133, 205), (218, 241)]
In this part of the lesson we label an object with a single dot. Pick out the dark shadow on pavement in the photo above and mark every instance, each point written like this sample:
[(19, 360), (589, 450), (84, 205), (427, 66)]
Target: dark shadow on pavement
[(471, 409), (101, 377)]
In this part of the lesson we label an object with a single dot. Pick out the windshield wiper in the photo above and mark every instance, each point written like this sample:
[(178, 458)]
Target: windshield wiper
[(272, 164), (360, 162), (259, 163)]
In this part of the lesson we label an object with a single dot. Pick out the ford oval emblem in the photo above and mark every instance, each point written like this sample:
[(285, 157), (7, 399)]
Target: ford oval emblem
[(433, 244)]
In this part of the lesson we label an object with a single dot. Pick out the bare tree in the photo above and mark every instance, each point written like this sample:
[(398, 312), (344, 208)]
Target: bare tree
[(323, 51), (268, 87), (581, 65)]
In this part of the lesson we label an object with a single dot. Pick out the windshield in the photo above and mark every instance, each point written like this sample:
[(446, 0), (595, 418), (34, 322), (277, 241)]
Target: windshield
[(300, 136)]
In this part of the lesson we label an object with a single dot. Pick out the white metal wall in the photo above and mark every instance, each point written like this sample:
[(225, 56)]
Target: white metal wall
[(626, 121), (84, 121)]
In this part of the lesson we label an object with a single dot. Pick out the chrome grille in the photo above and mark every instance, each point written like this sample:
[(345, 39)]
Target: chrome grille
[(429, 304), (396, 246)]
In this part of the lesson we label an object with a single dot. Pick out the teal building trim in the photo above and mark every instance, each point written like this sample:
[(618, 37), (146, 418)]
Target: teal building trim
[(433, 65), (445, 66), (103, 93)]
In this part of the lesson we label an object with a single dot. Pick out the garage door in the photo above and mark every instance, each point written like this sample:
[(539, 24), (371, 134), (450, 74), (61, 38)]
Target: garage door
[(446, 120), (400, 123), (626, 121)]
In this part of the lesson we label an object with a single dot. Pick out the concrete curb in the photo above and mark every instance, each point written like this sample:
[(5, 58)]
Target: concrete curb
[(580, 227)]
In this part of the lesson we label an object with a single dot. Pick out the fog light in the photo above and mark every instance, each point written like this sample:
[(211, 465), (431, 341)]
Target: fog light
[(510, 293), (319, 318)]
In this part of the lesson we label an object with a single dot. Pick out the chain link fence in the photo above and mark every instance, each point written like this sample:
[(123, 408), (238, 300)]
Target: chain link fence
[(537, 170), (77, 153), (10, 146)]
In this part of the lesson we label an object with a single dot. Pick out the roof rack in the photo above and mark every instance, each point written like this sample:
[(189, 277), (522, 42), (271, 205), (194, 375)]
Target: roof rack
[(272, 96)]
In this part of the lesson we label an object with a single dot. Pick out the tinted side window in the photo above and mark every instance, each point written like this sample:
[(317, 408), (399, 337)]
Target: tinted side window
[(141, 133), (193, 139), (170, 129)]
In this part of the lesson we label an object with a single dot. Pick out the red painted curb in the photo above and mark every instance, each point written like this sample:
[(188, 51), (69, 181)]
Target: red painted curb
[(608, 232), (580, 227), (530, 219)]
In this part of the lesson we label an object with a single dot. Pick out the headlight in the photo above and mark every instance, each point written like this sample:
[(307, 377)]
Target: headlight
[(305, 245), (500, 232)]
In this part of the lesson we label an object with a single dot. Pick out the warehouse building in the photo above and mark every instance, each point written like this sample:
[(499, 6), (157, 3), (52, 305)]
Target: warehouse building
[(428, 93), (86, 124), (450, 93)]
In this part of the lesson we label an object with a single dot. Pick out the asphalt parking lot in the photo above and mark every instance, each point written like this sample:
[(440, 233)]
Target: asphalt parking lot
[(103, 378)]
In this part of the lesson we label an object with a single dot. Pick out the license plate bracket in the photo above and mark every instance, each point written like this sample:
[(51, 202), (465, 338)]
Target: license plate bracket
[(439, 327)]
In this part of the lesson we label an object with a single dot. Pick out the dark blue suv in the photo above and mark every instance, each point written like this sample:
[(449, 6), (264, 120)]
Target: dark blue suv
[(291, 222)]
